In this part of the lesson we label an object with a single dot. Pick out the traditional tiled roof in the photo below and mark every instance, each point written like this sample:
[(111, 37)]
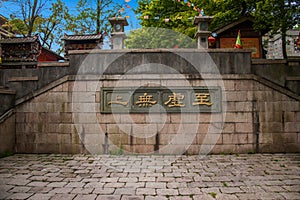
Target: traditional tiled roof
[(83, 37), (19, 40)]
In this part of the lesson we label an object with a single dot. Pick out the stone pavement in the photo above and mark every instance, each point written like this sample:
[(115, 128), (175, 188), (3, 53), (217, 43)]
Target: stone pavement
[(134, 177)]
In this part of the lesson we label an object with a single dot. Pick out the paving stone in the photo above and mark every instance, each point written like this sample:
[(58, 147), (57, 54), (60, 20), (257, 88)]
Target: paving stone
[(57, 184), (80, 190), (125, 191), (153, 177), (231, 190), (109, 197), (291, 195), (86, 197), (162, 185), (104, 191), (189, 191), (41, 197), (156, 198), (145, 191), (124, 197), (167, 192), (20, 195), (38, 184), (63, 197), (20, 189)]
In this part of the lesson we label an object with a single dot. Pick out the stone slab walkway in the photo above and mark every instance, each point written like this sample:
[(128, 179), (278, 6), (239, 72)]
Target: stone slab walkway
[(258, 176)]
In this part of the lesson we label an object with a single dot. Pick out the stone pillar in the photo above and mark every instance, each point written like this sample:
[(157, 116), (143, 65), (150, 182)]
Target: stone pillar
[(118, 34), (202, 34)]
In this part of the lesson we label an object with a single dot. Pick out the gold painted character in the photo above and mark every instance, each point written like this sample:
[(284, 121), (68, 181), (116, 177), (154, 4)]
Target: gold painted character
[(145, 101), (175, 100), (202, 99), (118, 101)]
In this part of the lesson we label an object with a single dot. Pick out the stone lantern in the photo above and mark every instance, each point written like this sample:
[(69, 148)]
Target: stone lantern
[(202, 34), (118, 34)]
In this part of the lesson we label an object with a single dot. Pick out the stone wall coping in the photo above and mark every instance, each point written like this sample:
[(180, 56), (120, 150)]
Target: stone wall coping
[(6, 115), (268, 61), (53, 64), (161, 50), (151, 76), (7, 91), (21, 78)]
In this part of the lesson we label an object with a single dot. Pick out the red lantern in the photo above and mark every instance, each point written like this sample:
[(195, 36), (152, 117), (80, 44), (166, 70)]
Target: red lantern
[(211, 39)]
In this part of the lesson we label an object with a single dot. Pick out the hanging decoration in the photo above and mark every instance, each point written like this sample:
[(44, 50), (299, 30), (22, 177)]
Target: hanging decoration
[(182, 2)]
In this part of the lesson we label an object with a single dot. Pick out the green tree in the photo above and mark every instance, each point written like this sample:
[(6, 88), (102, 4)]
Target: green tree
[(279, 16), (275, 15), (91, 16), (33, 20)]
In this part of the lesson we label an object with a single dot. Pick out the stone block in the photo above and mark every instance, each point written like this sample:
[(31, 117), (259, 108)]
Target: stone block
[(243, 127), (209, 139), (55, 97), (145, 130), (236, 96), (266, 138), (292, 106), (292, 127), (229, 85), (91, 86), (78, 86), (244, 85), (273, 127), (229, 128), (65, 87), (125, 139), (83, 97), (133, 118), (138, 140), (169, 129), (114, 139), (290, 137), (84, 107), (165, 139), (269, 116), (203, 128), (159, 118), (64, 138), (244, 106), (113, 128), (58, 88), (20, 117), (85, 118), (193, 150), (235, 138), (143, 149), (108, 118)]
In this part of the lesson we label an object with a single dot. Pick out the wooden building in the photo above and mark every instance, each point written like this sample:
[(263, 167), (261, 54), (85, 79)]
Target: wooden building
[(251, 39), (20, 51), (82, 42), (24, 52)]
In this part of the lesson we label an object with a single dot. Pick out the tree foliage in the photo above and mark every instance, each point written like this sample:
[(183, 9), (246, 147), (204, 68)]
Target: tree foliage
[(275, 15), (91, 16), (284, 16)]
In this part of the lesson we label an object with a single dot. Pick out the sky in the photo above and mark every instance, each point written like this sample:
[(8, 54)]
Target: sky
[(7, 8)]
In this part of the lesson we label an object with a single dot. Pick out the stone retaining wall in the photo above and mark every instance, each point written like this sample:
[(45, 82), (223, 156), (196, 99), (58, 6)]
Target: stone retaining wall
[(66, 118)]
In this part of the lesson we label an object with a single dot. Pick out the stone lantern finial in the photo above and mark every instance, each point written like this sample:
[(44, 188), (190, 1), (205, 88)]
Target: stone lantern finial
[(202, 34), (118, 34)]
